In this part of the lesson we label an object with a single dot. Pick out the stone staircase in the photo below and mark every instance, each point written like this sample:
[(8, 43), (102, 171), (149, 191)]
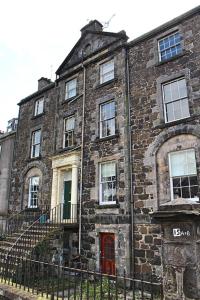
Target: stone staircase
[(22, 243), (25, 231)]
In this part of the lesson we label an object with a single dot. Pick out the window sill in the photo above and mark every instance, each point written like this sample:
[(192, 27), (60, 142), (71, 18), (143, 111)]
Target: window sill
[(106, 83), (103, 206), (160, 63), (107, 138), (181, 121), (72, 99), (34, 158), (37, 116), (68, 149)]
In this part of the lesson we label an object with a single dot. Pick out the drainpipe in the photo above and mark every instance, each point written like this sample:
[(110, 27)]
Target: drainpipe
[(130, 162), (82, 149)]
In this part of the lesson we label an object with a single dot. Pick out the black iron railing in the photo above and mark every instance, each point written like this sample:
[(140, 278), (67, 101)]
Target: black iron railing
[(18, 221), (45, 224), (58, 282)]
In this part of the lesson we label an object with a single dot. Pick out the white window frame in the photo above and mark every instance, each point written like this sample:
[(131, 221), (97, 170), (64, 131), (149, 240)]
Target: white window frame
[(169, 47), (103, 74), (69, 89), (31, 192), (175, 100), (106, 120), (38, 103), (171, 177), (101, 201), (65, 132), (34, 144)]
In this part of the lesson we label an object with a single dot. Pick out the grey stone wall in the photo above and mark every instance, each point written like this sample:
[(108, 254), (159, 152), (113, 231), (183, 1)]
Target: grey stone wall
[(22, 156), (152, 138), (6, 157)]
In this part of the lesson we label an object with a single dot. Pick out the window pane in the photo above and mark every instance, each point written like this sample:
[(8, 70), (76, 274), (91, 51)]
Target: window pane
[(107, 170), (37, 137), (182, 88), (108, 111), (69, 125), (71, 88), (177, 110), (107, 71), (174, 90), (167, 93), (185, 192), (169, 112), (178, 164), (194, 192), (170, 46), (193, 180), (185, 108), (184, 181), (176, 182), (36, 150), (183, 163), (191, 162), (177, 193)]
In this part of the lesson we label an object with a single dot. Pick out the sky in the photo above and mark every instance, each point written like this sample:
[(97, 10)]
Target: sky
[(37, 35)]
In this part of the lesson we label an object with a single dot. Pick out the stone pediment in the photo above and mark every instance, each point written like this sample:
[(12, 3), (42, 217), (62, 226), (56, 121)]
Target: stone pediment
[(93, 39)]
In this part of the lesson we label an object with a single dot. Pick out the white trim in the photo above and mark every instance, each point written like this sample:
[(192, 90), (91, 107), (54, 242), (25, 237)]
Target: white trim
[(111, 61), (101, 121), (180, 99), (30, 191), (101, 202), (171, 177), (67, 90)]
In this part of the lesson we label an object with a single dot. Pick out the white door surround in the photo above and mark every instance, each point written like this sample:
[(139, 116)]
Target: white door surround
[(62, 164)]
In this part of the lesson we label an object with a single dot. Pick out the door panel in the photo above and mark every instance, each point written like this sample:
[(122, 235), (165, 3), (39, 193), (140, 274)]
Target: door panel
[(107, 243), (67, 200)]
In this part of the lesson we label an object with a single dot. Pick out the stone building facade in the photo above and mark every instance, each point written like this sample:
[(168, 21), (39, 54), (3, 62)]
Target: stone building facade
[(7, 142), (116, 136), (165, 97)]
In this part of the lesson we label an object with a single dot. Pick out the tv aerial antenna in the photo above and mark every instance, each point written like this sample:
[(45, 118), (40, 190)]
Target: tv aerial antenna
[(106, 24)]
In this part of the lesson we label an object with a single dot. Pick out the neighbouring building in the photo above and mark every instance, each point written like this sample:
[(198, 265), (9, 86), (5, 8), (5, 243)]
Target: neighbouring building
[(7, 142), (113, 145)]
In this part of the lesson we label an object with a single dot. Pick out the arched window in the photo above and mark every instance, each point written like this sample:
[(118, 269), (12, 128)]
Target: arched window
[(178, 170), (32, 188), (33, 191)]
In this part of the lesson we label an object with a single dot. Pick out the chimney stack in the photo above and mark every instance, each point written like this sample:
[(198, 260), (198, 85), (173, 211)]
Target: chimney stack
[(42, 82), (93, 25)]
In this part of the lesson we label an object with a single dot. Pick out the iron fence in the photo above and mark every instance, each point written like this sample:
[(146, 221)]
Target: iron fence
[(58, 282)]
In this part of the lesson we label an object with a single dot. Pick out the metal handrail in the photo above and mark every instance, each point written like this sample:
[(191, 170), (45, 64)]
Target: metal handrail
[(15, 222), (55, 217), (23, 233)]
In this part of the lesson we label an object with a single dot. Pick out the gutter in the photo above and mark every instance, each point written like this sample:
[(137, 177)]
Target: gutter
[(82, 153), (130, 163)]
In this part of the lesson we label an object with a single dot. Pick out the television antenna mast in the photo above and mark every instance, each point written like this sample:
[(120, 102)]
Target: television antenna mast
[(106, 24)]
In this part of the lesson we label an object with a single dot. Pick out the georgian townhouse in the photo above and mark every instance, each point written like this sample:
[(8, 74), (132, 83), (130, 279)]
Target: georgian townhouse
[(111, 151), (165, 99)]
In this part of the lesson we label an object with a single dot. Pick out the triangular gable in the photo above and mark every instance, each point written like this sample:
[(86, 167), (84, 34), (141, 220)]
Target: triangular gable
[(89, 43)]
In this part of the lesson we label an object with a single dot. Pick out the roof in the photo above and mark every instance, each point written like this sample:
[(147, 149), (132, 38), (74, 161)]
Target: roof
[(37, 93), (165, 26), (119, 35)]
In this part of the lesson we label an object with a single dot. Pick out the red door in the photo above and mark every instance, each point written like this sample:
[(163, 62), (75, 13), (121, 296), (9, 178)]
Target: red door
[(107, 257)]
